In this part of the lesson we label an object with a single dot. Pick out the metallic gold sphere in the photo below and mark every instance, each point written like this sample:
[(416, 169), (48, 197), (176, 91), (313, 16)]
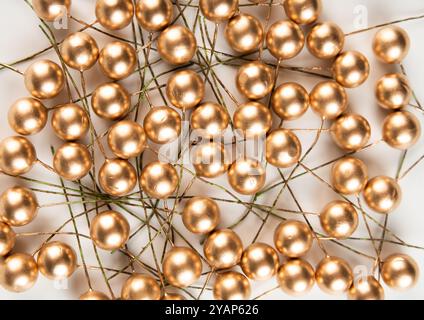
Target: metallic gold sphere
[(351, 69), (201, 215), (109, 230), (44, 79), (255, 80), (223, 249), (17, 155), (27, 116), (72, 161), (351, 132), (285, 39), (173, 296), (290, 101), (176, 45), (70, 122), (7, 239), (366, 289), (382, 194), (253, 119), (349, 176), (247, 176), (339, 219), (325, 40), (126, 139), (393, 91), (181, 267), (391, 44), (18, 272), (218, 10), (401, 130), (18, 206), (296, 277), (57, 260), (185, 89), (231, 285), (334, 275), (210, 118), (114, 14), (303, 11), (162, 125), (209, 159), (79, 51), (118, 60), (117, 177), (93, 295), (159, 180), (111, 101), (51, 10), (283, 148), (244, 33), (259, 262), (140, 287), (328, 99), (400, 272), (293, 238), (154, 15)]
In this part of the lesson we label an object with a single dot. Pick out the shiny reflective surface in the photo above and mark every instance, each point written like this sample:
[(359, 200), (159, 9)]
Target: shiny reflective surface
[(400, 272), (18, 272), (218, 10), (351, 69), (293, 238), (140, 287), (185, 89), (328, 99), (382, 194), (126, 139), (201, 215), (44, 79), (210, 119), (393, 91), (209, 159), (351, 132), (244, 33), (325, 40), (7, 239), (114, 14), (259, 262), (51, 10), (283, 148), (159, 180), (334, 275), (339, 219), (72, 161), (70, 122), (57, 260), (401, 130), (176, 45), (118, 60), (18, 206), (223, 249), (231, 285), (162, 125), (253, 119), (17, 155), (117, 177), (285, 40), (255, 80), (296, 277), (27, 116), (290, 101), (79, 51), (349, 175), (247, 176), (154, 15), (109, 230), (303, 11), (391, 44), (111, 101)]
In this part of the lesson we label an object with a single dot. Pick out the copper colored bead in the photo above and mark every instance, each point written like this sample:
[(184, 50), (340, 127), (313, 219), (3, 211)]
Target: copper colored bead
[(218, 10), (334, 275), (401, 130), (27, 116), (93, 295), (140, 287), (18, 206), (253, 119), (111, 101), (185, 89), (7, 239), (303, 11), (117, 177), (351, 132), (349, 176), (366, 288), (154, 15), (159, 180), (162, 125), (44, 79), (126, 139), (209, 119), (259, 262), (296, 277), (247, 176), (351, 69), (57, 260), (118, 60), (201, 215), (18, 272), (328, 99), (79, 51), (231, 285), (51, 10), (223, 249), (17, 155), (382, 194), (109, 230), (176, 45), (113, 14), (325, 40), (393, 91), (285, 40), (391, 44), (283, 148), (72, 161), (210, 159), (290, 101), (70, 122), (255, 80), (339, 219), (400, 272), (244, 33), (293, 238)]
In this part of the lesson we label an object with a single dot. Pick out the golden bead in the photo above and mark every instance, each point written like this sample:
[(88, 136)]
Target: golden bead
[(367, 288), (334, 275), (209, 159), (296, 277), (231, 285), (159, 180), (339, 219), (290, 101), (154, 15), (70, 122), (253, 119), (79, 51), (283, 148), (7, 239), (351, 132), (382, 194), (259, 262), (303, 11), (72, 161), (400, 272), (246, 176), (185, 89), (285, 40), (113, 14), (140, 287), (162, 125), (328, 99), (181, 267), (18, 272), (391, 44), (293, 238), (173, 296), (176, 45), (325, 40), (44, 79), (17, 155), (51, 10), (118, 60), (93, 295), (201, 215), (255, 80), (218, 10), (209, 119), (126, 139), (109, 230), (111, 101), (18, 206), (27, 116), (244, 33), (117, 177), (351, 69), (393, 91), (349, 176), (401, 130), (223, 249), (57, 260)]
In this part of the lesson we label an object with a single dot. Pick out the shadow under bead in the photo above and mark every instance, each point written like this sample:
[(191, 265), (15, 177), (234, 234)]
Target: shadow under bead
[(114, 15)]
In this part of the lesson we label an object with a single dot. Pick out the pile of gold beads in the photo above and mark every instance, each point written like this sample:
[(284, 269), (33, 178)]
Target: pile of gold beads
[(223, 249)]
